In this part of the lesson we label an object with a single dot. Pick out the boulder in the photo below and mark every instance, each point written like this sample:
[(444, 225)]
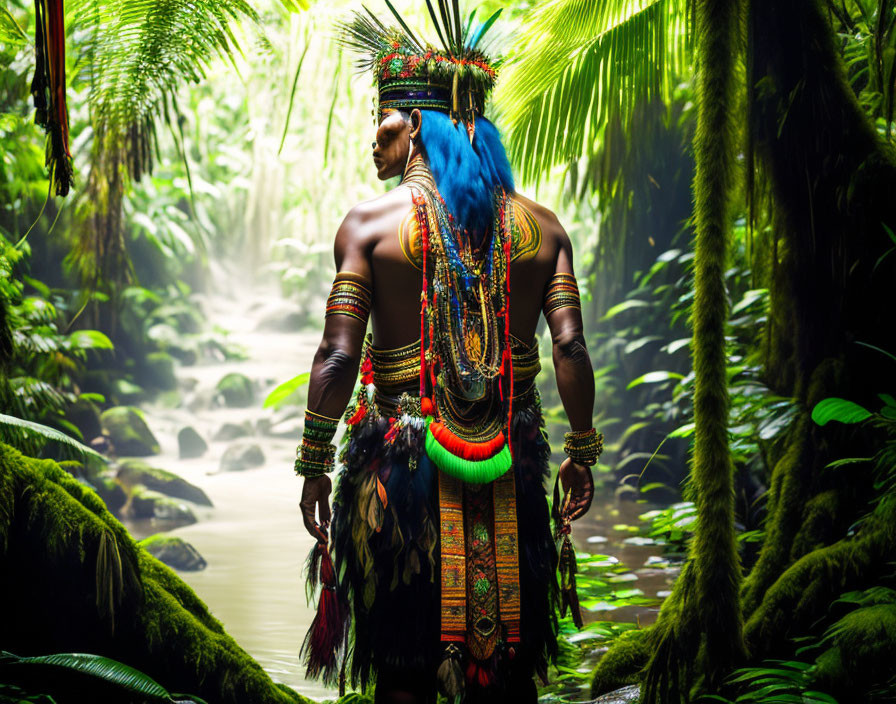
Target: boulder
[(174, 552), (86, 416), (137, 472), (128, 431), (112, 494), (146, 503), (190, 443), (236, 390), (232, 431), (240, 456), (158, 371)]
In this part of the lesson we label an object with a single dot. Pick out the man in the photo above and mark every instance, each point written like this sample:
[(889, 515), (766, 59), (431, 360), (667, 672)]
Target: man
[(440, 534)]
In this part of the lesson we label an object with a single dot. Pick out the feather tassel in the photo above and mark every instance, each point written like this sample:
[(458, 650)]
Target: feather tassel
[(326, 634), (451, 676)]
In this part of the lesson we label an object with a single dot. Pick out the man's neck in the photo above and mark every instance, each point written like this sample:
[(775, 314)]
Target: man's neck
[(418, 172)]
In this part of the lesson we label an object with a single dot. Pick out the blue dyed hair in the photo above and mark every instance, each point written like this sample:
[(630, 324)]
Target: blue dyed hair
[(466, 174)]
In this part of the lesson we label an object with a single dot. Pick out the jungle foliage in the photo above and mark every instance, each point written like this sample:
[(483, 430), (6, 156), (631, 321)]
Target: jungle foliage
[(726, 173)]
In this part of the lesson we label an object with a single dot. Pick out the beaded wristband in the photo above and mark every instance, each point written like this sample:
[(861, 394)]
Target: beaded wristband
[(562, 292), (350, 295), (315, 455), (583, 446)]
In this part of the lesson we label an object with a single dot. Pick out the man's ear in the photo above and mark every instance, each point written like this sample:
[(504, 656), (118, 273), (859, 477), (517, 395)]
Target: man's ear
[(416, 123)]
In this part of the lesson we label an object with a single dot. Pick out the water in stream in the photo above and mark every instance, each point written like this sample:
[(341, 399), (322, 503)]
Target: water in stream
[(253, 538)]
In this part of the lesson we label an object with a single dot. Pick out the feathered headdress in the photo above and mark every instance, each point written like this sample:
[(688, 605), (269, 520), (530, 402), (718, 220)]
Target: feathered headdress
[(411, 73)]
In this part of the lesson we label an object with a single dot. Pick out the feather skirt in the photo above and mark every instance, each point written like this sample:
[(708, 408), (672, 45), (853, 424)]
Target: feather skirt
[(385, 546)]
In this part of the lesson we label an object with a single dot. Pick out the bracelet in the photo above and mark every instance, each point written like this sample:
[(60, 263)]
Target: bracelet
[(349, 295), (562, 292), (315, 455), (583, 446)]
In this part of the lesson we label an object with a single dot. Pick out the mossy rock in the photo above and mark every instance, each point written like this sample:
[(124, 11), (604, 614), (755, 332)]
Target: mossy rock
[(133, 472), (158, 371), (236, 390), (240, 456), (146, 503), (174, 552), (111, 492), (232, 431), (118, 600), (190, 443), (622, 664), (86, 416), (128, 431)]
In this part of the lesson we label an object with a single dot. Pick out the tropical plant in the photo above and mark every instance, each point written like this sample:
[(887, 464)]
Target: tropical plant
[(63, 673), (579, 66)]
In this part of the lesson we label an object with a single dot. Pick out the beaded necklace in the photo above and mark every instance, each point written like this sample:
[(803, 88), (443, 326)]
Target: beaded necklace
[(465, 332)]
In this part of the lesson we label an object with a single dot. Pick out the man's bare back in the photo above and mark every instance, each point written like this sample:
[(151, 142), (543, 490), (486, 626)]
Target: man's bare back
[(379, 239)]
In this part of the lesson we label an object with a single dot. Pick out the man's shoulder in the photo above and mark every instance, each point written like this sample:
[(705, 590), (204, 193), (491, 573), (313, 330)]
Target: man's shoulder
[(547, 220), (380, 214)]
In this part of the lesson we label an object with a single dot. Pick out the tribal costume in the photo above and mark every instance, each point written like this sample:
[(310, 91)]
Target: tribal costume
[(441, 540)]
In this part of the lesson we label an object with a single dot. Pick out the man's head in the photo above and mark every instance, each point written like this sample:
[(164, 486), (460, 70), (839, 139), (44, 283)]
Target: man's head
[(465, 173), (394, 135)]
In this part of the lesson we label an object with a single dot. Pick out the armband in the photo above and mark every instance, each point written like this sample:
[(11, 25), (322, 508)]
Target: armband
[(562, 292), (350, 295), (315, 455), (583, 446)]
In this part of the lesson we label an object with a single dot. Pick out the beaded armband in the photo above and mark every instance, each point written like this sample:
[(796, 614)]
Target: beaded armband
[(562, 292), (315, 455), (583, 446), (350, 295)]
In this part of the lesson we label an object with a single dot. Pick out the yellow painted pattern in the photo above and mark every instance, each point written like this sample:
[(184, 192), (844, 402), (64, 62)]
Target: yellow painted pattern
[(525, 241)]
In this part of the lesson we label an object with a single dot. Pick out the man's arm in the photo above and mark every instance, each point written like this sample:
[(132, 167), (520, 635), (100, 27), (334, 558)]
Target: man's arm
[(573, 371), (572, 365), (334, 369), (335, 365)]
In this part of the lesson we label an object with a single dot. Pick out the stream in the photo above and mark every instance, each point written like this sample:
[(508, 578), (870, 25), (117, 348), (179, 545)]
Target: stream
[(253, 537)]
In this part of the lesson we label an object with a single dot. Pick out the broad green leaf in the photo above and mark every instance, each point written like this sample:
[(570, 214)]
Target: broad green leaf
[(654, 377), (283, 391), (839, 409)]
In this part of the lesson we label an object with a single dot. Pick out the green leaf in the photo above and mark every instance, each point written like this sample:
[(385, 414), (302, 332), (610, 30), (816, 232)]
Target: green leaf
[(683, 431), (624, 306), (847, 460), (282, 392), (840, 410), (90, 340), (51, 434), (653, 378)]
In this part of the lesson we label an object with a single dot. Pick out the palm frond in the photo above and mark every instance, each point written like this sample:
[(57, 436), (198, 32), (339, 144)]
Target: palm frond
[(55, 667), (143, 50), (11, 33), (45, 431), (578, 65)]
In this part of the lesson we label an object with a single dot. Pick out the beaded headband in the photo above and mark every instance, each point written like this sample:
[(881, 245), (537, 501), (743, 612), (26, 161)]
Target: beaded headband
[(414, 74)]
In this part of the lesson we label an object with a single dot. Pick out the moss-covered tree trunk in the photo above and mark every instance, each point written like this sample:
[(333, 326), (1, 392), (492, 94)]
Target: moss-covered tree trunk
[(832, 181), (699, 638)]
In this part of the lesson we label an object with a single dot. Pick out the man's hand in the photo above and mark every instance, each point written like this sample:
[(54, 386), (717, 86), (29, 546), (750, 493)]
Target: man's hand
[(316, 495), (578, 488)]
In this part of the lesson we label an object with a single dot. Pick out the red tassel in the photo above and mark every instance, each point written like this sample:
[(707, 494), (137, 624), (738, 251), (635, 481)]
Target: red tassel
[(359, 413), (366, 371), (459, 447), (48, 89), (327, 631), (424, 234)]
